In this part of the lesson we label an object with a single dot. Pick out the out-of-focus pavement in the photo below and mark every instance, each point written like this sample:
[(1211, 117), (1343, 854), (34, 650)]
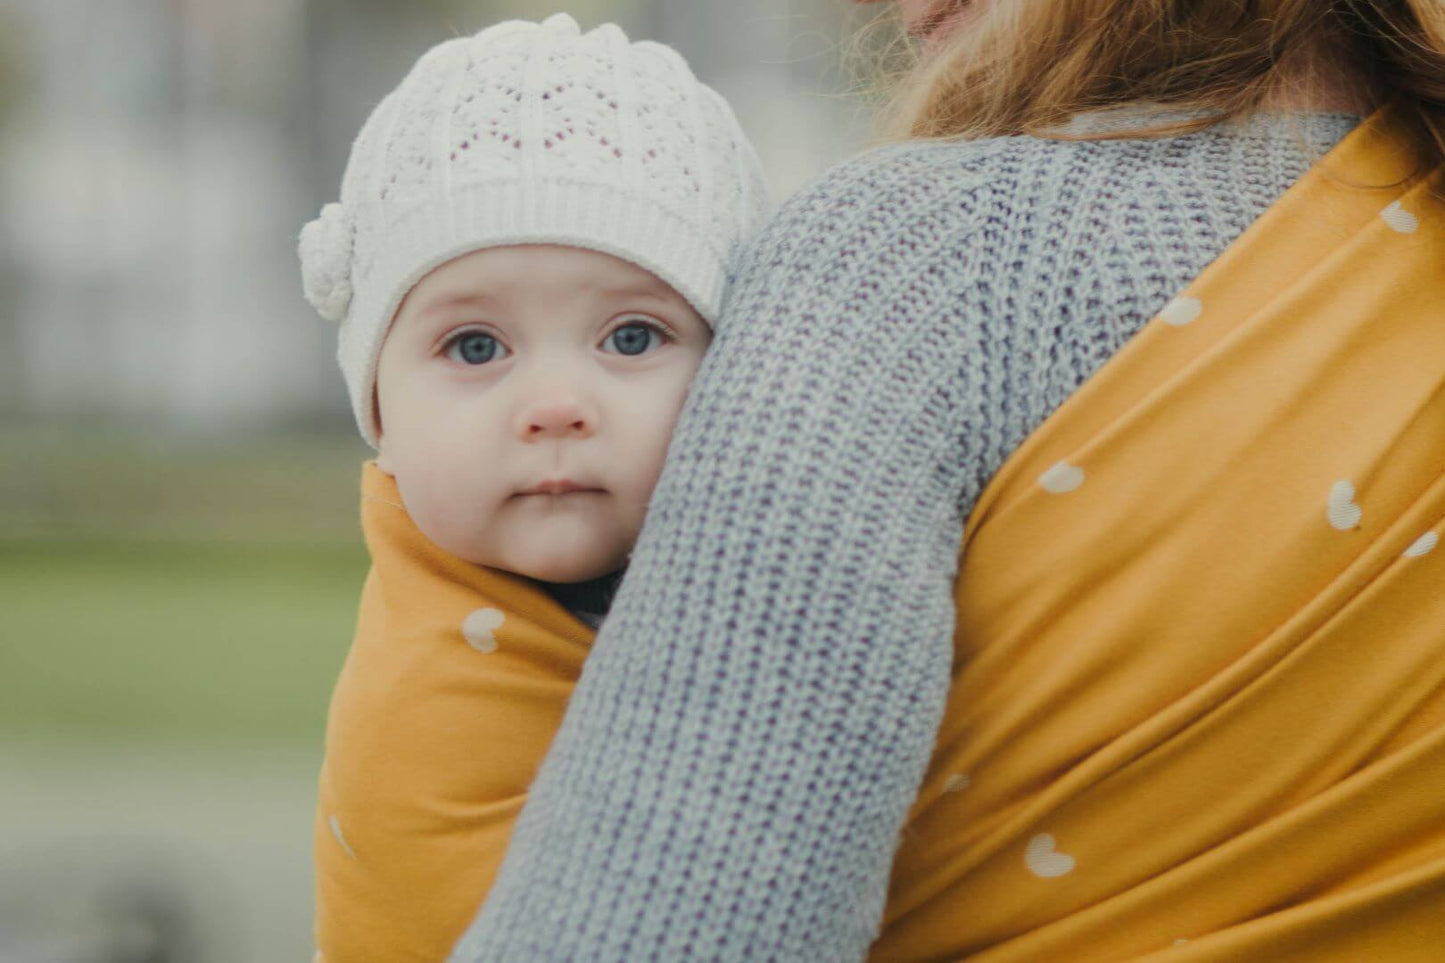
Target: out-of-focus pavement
[(141, 853)]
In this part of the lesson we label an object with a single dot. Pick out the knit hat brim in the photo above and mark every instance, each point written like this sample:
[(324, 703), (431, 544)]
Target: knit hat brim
[(496, 214)]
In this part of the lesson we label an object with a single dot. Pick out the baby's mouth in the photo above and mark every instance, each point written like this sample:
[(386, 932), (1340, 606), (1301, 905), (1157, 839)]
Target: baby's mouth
[(558, 488)]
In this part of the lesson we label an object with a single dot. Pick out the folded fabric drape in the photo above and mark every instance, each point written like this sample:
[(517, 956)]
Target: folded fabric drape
[(1199, 699), (454, 686)]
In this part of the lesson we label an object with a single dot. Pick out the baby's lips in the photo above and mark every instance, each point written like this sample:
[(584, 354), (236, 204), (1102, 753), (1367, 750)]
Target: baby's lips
[(558, 486)]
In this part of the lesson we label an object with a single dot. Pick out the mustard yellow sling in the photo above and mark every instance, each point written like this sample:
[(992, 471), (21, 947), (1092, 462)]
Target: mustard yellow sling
[(1199, 709), (1199, 704), (455, 684)]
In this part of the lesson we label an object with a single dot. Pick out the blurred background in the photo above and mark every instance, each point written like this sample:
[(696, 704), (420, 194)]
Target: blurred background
[(180, 558)]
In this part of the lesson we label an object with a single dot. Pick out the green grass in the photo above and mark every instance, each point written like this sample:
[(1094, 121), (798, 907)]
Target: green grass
[(173, 640), (171, 591), (87, 482)]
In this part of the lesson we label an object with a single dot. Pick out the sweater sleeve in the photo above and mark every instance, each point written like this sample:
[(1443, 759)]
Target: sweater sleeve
[(754, 722)]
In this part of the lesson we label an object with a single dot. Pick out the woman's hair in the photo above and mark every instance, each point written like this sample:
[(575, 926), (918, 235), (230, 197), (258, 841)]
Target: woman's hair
[(1024, 66)]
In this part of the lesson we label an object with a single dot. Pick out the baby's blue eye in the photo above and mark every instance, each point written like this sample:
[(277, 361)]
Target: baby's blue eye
[(473, 348), (633, 339)]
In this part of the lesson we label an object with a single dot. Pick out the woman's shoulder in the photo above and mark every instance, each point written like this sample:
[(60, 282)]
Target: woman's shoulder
[(910, 191), (915, 202), (1081, 189), (1279, 139), (863, 203), (945, 165), (907, 168)]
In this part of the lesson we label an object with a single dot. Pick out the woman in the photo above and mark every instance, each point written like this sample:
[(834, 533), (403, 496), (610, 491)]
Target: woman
[(1045, 565)]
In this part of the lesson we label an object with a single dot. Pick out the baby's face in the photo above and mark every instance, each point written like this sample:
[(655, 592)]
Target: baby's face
[(511, 368)]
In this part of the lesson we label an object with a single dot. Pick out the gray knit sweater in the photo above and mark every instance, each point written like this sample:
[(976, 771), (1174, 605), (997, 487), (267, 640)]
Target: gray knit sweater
[(758, 712)]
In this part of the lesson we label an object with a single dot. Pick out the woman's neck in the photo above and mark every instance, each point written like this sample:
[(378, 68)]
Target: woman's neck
[(1335, 100), (1324, 81)]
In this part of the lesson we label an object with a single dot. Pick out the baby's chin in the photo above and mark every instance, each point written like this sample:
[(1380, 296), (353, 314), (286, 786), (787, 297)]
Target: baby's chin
[(559, 563), (562, 550)]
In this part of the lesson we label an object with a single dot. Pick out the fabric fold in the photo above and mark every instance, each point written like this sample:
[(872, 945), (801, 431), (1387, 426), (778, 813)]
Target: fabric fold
[(1199, 698), (452, 690)]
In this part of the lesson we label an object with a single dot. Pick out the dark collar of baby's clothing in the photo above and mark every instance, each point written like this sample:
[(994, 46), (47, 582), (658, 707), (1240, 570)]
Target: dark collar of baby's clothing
[(590, 598)]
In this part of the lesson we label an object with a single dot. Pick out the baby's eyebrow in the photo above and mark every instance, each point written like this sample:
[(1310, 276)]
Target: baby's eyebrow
[(655, 291), (461, 300), (635, 289)]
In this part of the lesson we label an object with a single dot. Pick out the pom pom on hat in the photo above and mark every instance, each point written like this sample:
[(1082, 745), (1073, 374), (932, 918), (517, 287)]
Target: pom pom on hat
[(325, 249)]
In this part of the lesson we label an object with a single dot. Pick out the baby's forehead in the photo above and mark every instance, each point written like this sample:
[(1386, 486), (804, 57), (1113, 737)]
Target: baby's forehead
[(506, 277)]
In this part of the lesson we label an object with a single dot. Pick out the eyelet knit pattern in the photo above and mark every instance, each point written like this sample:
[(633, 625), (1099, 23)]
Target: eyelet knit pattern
[(532, 133)]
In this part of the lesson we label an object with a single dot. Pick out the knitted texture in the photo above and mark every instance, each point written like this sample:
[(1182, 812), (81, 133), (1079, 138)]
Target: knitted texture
[(760, 706), (531, 133)]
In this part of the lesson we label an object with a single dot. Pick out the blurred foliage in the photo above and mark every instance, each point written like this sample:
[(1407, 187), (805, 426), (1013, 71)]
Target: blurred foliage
[(12, 72), (468, 16), (102, 481), (588, 13), (180, 641), (175, 591)]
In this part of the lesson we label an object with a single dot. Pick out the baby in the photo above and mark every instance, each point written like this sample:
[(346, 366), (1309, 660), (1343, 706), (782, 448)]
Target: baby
[(533, 238)]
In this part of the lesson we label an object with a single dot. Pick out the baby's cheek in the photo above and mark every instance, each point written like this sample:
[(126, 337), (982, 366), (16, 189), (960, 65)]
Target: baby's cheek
[(446, 509)]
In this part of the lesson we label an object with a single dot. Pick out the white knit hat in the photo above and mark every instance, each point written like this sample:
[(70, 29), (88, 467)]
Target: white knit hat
[(531, 133)]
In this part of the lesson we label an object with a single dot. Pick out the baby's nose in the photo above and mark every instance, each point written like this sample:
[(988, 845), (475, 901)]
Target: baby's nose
[(557, 419)]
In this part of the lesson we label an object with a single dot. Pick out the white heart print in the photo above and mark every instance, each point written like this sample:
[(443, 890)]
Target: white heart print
[(1062, 478), (1044, 860), (1424, 545), (479, 628), (1343, 513), (1400, 219), (336, 831), (1181, 311)]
